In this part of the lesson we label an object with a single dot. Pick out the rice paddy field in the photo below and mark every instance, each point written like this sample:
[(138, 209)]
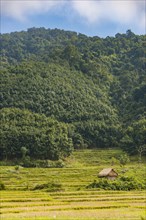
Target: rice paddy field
[(70, 199)]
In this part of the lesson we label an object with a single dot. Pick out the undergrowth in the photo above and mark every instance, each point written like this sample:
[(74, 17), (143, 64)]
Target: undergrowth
[(123, 183)]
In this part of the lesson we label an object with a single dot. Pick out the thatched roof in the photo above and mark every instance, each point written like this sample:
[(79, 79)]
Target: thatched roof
[(106, 172)]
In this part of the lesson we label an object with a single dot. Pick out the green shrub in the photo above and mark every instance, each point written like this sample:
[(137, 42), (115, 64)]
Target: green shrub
[(41, 186), (27, 162), (56, 164), (2, 186), (17, 168), (42, 163), (124, 159), (123, 183), (59, 164), (49, 164), (49, 187)]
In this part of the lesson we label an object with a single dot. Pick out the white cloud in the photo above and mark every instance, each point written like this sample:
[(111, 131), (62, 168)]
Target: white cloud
[(90, 10), (22, 9), (125, 12), (120, 11)]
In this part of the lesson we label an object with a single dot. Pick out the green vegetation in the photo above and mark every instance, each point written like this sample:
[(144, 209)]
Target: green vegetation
[(124, 183), (49, 187), (72, 105), (43, 138), (95, 86), (2, 186)]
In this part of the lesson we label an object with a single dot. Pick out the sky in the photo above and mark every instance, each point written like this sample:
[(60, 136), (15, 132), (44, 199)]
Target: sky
[(90, 17)]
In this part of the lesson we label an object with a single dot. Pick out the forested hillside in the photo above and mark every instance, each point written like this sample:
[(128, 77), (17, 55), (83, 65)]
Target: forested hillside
[(62, 90)]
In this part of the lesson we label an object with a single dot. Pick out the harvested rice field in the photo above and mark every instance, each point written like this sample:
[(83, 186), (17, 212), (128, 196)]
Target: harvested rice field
[(73, 205), (67, 197)]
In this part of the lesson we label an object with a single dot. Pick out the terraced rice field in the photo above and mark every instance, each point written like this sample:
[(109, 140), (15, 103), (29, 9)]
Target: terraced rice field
[(73, 201), (72, 205)]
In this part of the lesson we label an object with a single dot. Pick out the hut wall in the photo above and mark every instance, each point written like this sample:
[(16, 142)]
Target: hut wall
[(111, 177), (112, 174)]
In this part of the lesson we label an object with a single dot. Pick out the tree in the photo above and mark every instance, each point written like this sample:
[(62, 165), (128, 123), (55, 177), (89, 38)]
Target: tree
[(141, 150), (134, 140), (124, 159), (72, 55), (96, 84), (43, 138), (24, 151)]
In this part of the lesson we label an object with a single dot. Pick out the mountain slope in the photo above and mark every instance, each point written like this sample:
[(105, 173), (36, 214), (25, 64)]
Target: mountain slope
[(96, 85)]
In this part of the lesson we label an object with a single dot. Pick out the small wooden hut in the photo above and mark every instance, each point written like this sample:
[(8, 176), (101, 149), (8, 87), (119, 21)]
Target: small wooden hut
[(108, 173)]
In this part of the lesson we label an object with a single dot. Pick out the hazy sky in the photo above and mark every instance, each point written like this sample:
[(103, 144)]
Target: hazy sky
[(91, 17)]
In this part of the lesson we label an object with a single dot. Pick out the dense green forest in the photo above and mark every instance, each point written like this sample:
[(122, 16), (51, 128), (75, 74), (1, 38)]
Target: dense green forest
[(62, 90)]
